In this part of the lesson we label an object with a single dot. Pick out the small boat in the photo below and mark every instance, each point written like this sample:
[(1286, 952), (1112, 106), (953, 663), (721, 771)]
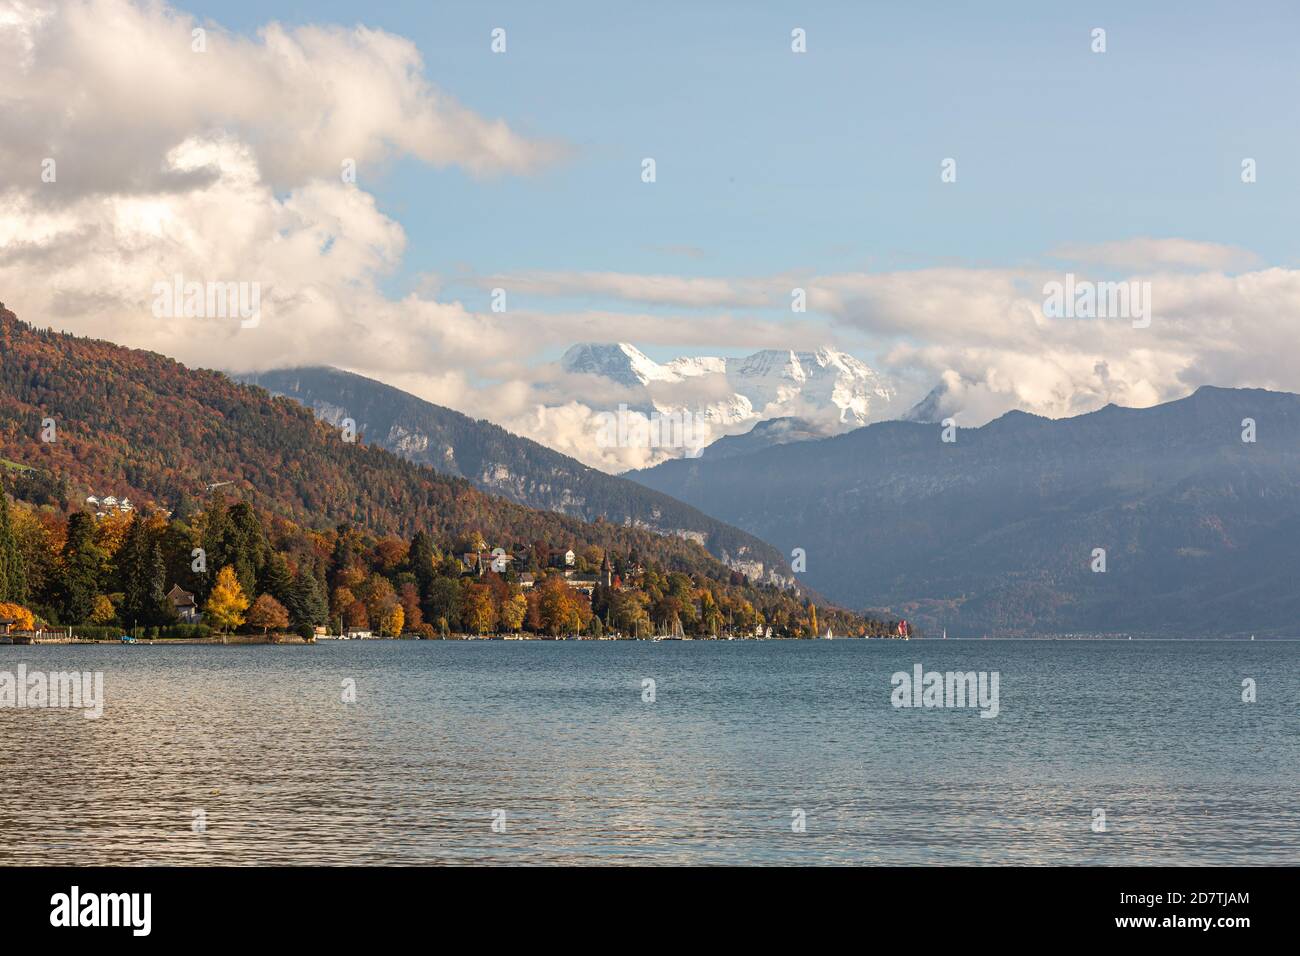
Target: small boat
[(828, 636), (128, 639), (678, 634)]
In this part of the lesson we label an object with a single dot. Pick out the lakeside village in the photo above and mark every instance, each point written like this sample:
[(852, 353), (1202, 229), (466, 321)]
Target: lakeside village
[(234, 574)]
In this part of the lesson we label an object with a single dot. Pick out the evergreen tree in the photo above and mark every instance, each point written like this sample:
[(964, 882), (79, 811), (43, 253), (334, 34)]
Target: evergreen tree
[(79, 578), (216, 528), (307, 602), (13, 578), (244, 546), (422, 560), (144, 576), (276, 579)]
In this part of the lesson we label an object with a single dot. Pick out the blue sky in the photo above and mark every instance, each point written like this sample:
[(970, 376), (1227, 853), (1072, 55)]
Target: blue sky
[(770, 161), (776, 171)]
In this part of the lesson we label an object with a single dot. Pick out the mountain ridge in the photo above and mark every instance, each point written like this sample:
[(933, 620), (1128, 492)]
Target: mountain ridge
[(499, 462), (995, 532)]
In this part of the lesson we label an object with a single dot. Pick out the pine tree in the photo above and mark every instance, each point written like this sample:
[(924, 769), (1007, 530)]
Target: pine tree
[(79, 579), (13, 577), (144, 576), (276, 579), (422, 560), (216, 527), (244, 546), (307, 602)]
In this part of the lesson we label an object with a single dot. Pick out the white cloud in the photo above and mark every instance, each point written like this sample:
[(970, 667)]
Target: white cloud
[(108, 88)]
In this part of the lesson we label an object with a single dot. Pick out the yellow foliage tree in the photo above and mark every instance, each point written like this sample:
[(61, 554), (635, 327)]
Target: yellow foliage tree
[(479, 613), (22, 618), (513, 610), (110, 532), (104, 612), (227, 603), (393, 622)]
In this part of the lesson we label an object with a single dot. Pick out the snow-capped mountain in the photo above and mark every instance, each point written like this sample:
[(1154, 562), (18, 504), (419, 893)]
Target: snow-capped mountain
[(827, 386), (620, 362)]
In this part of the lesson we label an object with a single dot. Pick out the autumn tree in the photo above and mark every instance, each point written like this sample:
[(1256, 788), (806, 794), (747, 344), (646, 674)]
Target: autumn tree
[(379, 597), (628, 613), (103, 611), (227, 602), (513, 609), (393, 621), (388, 555), (479, 613), (341, 600), (710, 615), (22, 618), (356, 616), (558, 607), (408, 595), (268, 613)]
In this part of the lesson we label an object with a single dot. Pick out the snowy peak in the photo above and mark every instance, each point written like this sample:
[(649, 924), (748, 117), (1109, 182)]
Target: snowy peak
[(620, 362), (811, 383), (826, 385)]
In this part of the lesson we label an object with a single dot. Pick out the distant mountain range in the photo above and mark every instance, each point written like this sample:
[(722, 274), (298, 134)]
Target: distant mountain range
[(827, 387), (517, 468), (995, 533)]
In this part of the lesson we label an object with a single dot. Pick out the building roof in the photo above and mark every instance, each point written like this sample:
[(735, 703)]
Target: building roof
[(180, 597)]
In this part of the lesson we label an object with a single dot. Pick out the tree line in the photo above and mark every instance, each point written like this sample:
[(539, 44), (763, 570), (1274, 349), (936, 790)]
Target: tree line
[(250, 569)]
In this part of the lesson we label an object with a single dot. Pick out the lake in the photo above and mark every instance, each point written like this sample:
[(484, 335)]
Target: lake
[(250, 755)]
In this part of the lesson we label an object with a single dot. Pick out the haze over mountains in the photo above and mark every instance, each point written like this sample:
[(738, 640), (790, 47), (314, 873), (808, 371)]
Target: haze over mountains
[(995, 533)]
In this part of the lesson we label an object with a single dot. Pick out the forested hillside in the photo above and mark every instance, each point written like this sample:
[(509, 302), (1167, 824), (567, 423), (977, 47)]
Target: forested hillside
[(517, 468), (81, 417)]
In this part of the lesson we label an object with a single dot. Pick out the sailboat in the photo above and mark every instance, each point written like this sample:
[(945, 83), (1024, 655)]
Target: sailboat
[(828, 636), (945, 634), (677, 633)]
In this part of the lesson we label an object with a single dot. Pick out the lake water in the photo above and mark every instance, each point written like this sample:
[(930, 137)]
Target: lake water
[(259, 743)]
